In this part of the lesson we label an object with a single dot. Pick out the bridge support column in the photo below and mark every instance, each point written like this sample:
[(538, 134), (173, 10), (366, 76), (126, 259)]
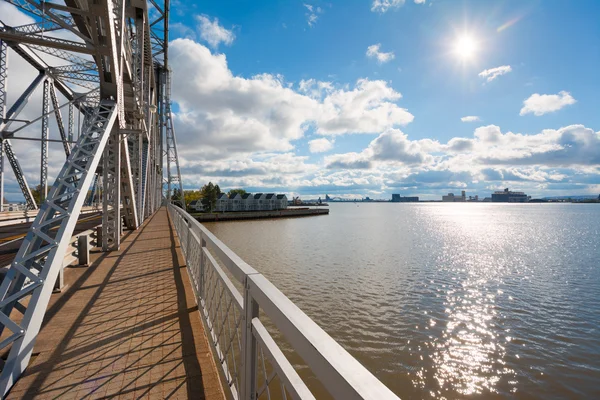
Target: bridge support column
[(111, 181)]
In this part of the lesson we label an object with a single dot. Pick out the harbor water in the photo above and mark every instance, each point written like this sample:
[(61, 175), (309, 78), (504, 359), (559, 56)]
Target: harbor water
[(446, 300)]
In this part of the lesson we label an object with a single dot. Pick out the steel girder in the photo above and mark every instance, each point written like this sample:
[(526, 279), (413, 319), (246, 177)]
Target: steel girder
[(3, 56), (39, 260), (172, 159), (59, 120), (111, 177), (44, 142), (127, 188), (128, 50)]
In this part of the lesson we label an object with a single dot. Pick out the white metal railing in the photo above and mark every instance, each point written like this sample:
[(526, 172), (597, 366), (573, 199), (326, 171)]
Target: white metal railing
[(253, 364)]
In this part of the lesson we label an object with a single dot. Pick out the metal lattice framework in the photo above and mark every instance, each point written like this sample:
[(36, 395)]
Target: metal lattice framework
[(173, 178), (105, 64)]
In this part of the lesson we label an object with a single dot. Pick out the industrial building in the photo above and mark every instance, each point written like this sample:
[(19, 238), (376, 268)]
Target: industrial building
[(507, 196), (396, 198), (451, 198)]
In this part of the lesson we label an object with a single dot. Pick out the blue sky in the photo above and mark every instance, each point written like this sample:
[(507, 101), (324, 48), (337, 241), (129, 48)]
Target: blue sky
[(546, 49), (365, 98)]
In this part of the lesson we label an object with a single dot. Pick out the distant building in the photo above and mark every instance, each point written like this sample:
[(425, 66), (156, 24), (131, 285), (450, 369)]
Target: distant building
[(259, 200), (396, 198), (196, 205), (222, 202), (451, 198), (245, 202), (235, 203), (507, 196), (283, 201)]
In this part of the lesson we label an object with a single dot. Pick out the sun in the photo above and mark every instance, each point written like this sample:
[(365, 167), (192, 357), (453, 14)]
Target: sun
[(465, 47)]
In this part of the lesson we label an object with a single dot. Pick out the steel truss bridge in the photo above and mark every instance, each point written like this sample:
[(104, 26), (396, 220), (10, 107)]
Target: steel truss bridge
[(109, 60)]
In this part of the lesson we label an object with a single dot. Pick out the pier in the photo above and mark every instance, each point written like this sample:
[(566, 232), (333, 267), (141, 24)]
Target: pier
[(241, 215)]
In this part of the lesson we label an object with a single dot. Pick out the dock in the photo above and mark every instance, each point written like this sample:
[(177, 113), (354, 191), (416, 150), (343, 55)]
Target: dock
[(245, 215)]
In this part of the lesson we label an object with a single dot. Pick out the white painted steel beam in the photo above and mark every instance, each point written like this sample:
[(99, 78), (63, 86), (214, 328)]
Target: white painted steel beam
[(111, 178), (39, 260), (44, 142), (120, 104), (128, 198)]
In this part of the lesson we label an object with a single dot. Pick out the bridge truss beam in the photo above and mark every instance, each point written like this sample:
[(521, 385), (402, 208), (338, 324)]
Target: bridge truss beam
[(112, 69)]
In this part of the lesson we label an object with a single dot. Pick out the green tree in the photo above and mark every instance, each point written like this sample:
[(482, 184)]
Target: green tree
[(37, 195), (241, 192), (176, 197), (209, 193)]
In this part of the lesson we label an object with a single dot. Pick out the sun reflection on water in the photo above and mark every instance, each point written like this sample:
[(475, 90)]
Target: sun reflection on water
[(468, 355)]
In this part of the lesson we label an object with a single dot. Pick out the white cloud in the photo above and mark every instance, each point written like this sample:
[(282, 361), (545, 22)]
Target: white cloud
[(368, 108), (230, 115), (420, 1), (394, 145), (470, 118), (492, 73), (213, 33), (320, 145), (540, 104), (382, 6), (313, 14), (382, 57), (348, 161)]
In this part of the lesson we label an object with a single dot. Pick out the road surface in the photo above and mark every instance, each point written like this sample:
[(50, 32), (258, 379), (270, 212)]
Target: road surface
[(11, 236)]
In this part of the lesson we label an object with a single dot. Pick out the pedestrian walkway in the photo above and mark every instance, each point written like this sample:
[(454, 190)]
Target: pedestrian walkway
[(126, 327)]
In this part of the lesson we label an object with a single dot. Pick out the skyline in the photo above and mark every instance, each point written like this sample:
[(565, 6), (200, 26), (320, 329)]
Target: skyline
[(376, 97)]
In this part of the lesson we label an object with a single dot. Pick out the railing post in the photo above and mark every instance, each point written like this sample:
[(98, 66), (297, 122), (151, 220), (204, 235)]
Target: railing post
[(188, 225), (99, 236), (249, 354), (83, 250), (201, 268)]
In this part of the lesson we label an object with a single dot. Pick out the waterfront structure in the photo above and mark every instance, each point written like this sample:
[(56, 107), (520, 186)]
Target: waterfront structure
[(507, 196), (451, 198), (222, 203), (196, 205), (283, 201), (246, 203), (259, 199), (396, 198), (249, 202), (235, 202)]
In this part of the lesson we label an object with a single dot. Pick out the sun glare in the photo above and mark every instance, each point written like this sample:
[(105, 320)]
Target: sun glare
[(465, 47)]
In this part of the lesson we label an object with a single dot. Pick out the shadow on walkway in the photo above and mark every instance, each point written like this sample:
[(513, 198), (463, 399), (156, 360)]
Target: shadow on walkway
[(127, 326)]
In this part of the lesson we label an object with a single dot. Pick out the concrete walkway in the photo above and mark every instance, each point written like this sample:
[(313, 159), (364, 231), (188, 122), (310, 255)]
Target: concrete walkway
[(126, 327)]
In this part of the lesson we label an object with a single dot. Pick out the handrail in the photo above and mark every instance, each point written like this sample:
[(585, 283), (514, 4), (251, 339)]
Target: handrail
[(250, 359)]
